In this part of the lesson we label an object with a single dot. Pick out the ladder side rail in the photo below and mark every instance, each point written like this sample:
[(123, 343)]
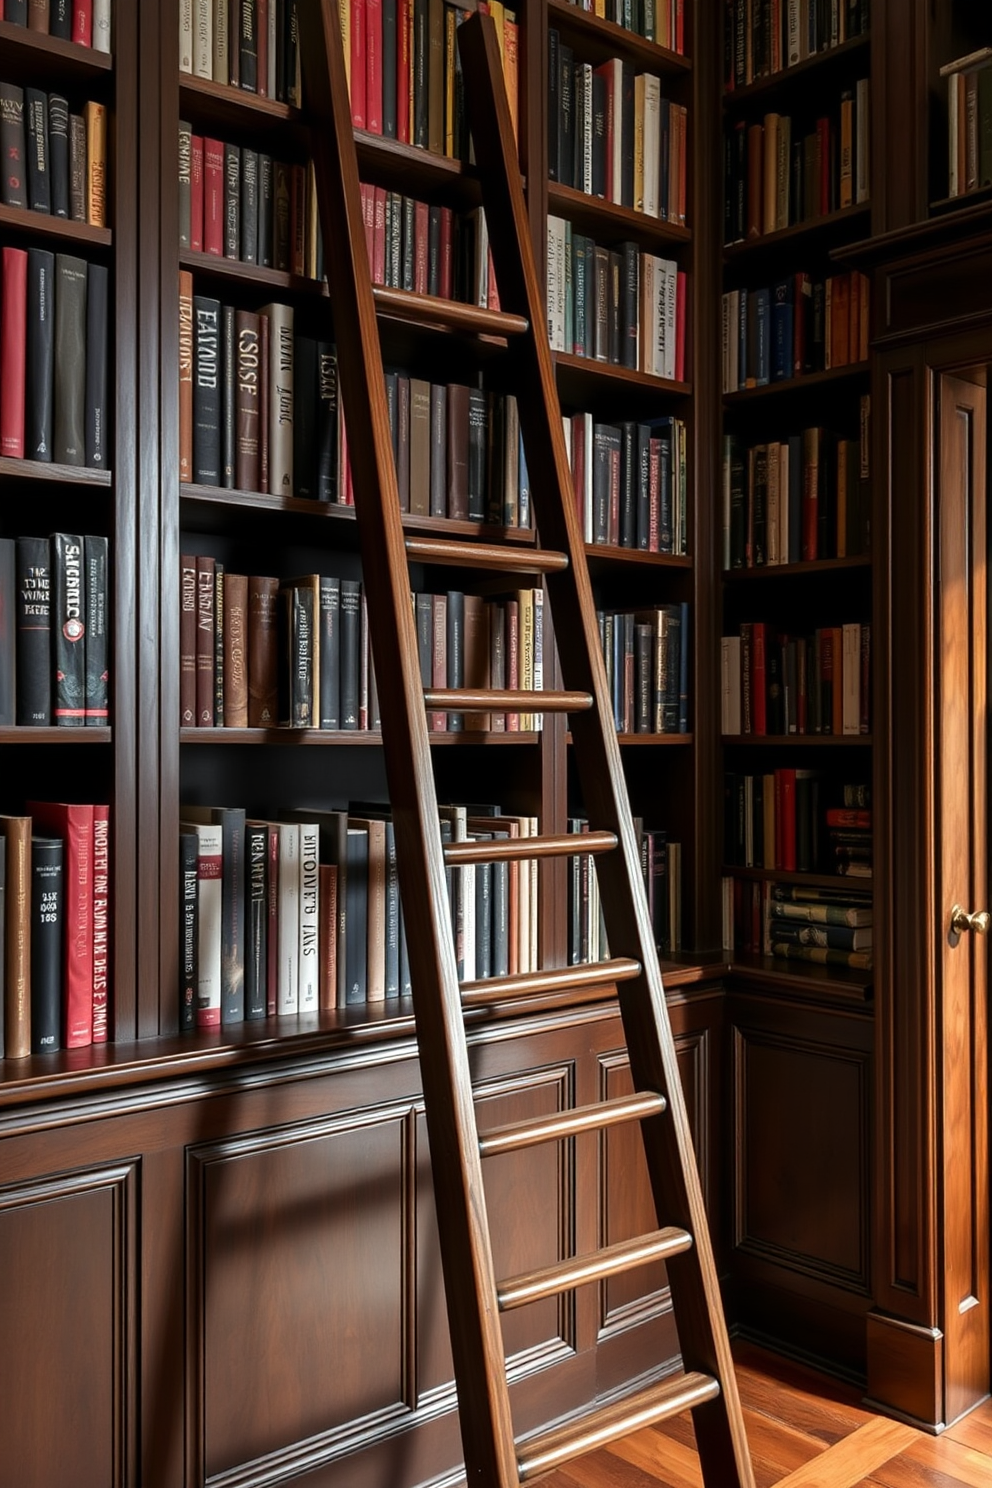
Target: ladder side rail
[(456, 1164), (671, 1163)]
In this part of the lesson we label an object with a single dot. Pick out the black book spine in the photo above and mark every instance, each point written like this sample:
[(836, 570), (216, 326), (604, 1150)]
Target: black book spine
[(13, 186), (60, 19), (614, 302), (643, 523), (389, 68), (393, 927), (302, 657), (206, 391), (305, 417), (256, 920), (69, 630), (421, 52), (232, 987), (249, 204), (330, 653), (425, 638), (34, 626), (292, 54), (554, 105), (8, 631), (58, 153), (628, 485), (434, 250), (188, 844), (456, 651), (95, 410), (630, 272), (566, 117), (248, 47), (439, 450), (265, 187), (40, 355), (350, 628), (16, 11), (46, 943), (327, 422), (478, 420), (69, 444), (483, 919), (96, 559), (229, 396), (626, 122), (232, 201), (598, 135), (185, 183), (36, 130)]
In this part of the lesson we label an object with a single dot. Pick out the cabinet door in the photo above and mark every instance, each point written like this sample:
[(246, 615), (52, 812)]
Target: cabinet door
[(962, 886)]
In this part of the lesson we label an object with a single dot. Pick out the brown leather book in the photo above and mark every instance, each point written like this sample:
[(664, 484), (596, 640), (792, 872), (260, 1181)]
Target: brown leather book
[(38, 16), (17, 931), (458, 451), (420, 446), (235, 651), (95, 115), (248, 399), (185, 375), (262, 652), (476, 650)]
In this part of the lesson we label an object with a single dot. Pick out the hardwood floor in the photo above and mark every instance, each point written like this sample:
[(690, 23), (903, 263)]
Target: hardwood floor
[(805, 1431)]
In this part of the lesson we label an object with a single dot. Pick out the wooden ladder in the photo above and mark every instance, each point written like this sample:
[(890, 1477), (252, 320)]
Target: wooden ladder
[(475, 1298)]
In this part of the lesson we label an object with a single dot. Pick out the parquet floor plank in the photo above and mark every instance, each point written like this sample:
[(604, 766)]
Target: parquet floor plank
[(937, 1462), (974, 1430)]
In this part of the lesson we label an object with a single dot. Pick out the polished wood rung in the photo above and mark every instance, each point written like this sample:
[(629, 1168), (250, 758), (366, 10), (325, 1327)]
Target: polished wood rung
[(513, 849), (451, 315), (543, 1453), (497, 556), (571, 1123), (556, 979), (612, 1260), (506, 700)]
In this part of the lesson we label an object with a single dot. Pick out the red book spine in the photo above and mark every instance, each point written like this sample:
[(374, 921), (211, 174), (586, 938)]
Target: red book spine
[(788, 801), (379, 235), (447, 254), (848, 816), (421, 245), (213, 197), (403, 21), (13, 352), (74, 824), (272, 939), (578, 432), (82, 22), (358, 63), (373, 66), (759, 681), (779, 853), (196, 194), (101, 921), (747, 716), (680, 294), (680, 26)]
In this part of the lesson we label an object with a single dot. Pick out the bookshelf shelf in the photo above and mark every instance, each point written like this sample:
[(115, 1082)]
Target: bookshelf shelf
[(854, 882), (41, 470), (797, 77), (334, 738), (579, 376), (608, 555), (800, 741), (830, 983), (795, 236), (598, 217), (26, 53), (667, 741), (233, 107), (798, 385), (28, 735), (601, 39), (20, 221), (859, 562)]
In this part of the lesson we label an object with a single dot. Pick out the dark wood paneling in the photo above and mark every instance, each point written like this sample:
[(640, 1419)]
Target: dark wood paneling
[(68, 1305)]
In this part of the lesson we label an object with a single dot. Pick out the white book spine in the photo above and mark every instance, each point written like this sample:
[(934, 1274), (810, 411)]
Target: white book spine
[(288, 919), (203, 39), (309, 958), (186, 36), (280, 319), (795, 53), (652, 144), (851, 680), (222, 61), (101, 26), (616, 66), (671, 277)]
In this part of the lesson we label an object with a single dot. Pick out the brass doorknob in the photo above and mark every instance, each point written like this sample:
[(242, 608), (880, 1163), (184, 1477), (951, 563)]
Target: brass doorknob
[(961, 920)]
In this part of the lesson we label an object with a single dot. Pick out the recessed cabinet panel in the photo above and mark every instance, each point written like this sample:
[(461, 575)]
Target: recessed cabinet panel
[(299, 1269), (66, 1341)]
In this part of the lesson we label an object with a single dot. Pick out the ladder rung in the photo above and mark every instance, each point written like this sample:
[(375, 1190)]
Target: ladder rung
[(431, 310), (558, 979), (511, 559), (542, 1453), (570, 1123), (612, 1260), (511, 849), (506, 700)]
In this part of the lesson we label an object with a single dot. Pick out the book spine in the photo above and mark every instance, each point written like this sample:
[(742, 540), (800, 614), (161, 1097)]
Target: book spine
[(330, 653), (262, 652), (40, 355), (309, 926), (228, 395), (101, 923), (256, 919), (248, 46), (95, 118), (70, 360), (232, 822), (205, 598), (207, 391), (246, 457), (96, 565), (287, 990), (210, 869), (46, 943), (58, 153), (69, 630), (95, 407), (13, 352), (74, 824), (187, 930), (39, 181), (235, 651), (281, 348), (13, 183), (17, 937)]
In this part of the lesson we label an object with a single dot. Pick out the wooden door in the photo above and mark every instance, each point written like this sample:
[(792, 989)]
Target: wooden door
[(962, 884)]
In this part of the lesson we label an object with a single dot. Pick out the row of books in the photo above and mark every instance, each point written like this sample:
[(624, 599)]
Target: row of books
[(620, 305), (611, 134), (54, 161), (252, 45), (428, 249), (55, 927), (53, 358), (779, 821), (646, 653), (799, 325), (262, 652), (660, 21), (303, 914), (661, 865), (630, 482), (777, 684), (969, 121), (762, 40), (54, 631), (85, 22), (776, 178), (826, 926), (796, 500)]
